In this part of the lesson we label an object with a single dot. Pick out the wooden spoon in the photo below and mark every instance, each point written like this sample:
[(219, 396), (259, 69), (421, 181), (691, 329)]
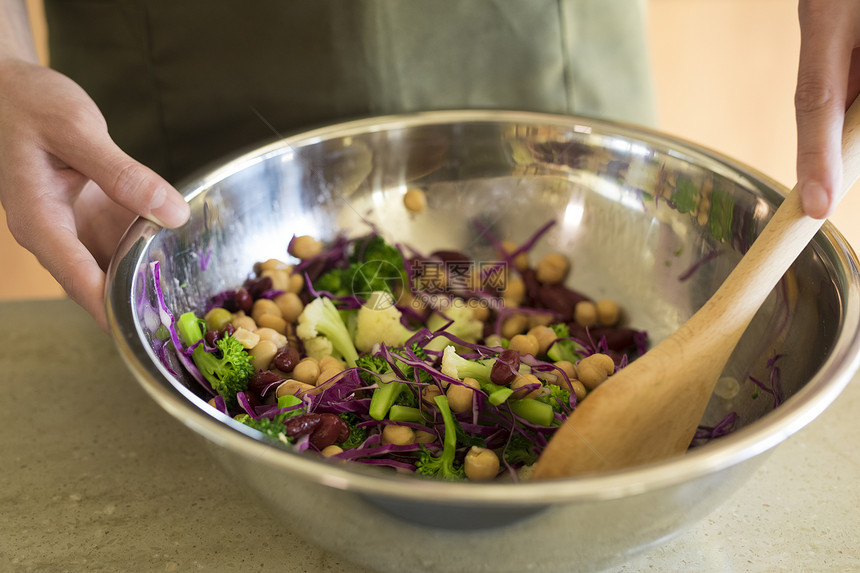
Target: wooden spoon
[(649, 410)]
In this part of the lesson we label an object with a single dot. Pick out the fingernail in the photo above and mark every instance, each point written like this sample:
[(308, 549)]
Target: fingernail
[(815, 200), (169, 210)]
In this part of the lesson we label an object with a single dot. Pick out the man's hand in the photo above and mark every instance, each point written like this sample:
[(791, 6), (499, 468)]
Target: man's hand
[(68, 190), (828, 81)]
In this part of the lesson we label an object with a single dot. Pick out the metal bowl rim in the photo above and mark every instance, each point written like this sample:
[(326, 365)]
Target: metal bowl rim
[(738, 447)]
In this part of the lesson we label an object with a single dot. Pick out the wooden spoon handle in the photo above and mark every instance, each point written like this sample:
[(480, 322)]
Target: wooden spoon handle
[(780, 243), (650, 409)]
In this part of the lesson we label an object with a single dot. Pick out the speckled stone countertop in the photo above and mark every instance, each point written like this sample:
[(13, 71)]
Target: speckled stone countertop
[(96, 477)]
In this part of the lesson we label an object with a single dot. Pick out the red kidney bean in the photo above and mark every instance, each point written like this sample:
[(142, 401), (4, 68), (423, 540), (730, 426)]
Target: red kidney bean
[(253, 400), (331, 430), (324, 429), (560, 299), (286, 359), (446, 256), (262, 381), (243, 300), (505, 368), (532, 286), (301, 425), (256, 287), (211, 337)]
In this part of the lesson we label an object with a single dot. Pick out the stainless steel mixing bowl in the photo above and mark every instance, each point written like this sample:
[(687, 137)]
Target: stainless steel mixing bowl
[(647, 220)]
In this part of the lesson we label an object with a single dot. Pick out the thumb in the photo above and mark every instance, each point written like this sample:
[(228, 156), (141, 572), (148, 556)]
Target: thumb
[(820, 102), (126, 181)]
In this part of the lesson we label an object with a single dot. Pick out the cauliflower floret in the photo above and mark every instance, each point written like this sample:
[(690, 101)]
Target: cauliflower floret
[(320, 318), (318, 347), (378, 321), (464, 326)]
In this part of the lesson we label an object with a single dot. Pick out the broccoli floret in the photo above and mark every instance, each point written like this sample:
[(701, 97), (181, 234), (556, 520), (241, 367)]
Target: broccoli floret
[(320, 317), (373, 266), (520, 450), (333, 282), (558, 397), (564, 349), (369, 365), (228, 370), (271, 427), (357, 434), (458, 367), (464, 325), (409, 372), (444, 466), (468, 440), (378, 321), (380, 268)]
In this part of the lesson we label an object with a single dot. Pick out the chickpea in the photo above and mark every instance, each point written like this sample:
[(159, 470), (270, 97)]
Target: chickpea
[(552, 269), (479, 311), (607, 312), (585, 313), (524, 344), (273, 336), (605, 361), (297, 283), (273, 264), (264, 306), (545, 337), (294, 387), (493, 340), (331, 450), (280, 278), (276, 323), (327, 374), (513, 325), (429, 392), (331, 363), (578, 389), (415, 200), (241, 320), (262, 354), (460, 396), (540, 319), (422, 437), (398, 435), (515, 291), (593, 370), (521, 261), (307, 371), (523, 380), (567, 368), (305, 247), (247, 338), (481, 464), (217, 318), (290, 306)]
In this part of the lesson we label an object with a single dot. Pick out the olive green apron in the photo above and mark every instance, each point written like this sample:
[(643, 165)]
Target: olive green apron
[(184, 82)]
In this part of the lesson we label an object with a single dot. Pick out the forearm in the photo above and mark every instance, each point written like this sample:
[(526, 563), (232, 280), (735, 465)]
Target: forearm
[(16, 37)]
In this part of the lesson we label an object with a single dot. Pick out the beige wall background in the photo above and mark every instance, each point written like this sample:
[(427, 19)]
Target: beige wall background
[(725, 73)]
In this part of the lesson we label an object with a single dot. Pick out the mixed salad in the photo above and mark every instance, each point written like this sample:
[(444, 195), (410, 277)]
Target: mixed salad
[(436, 364)]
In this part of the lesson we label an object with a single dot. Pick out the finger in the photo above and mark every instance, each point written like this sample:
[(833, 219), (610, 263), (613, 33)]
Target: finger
[(825, 58), (51, 235), (127, 182)]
